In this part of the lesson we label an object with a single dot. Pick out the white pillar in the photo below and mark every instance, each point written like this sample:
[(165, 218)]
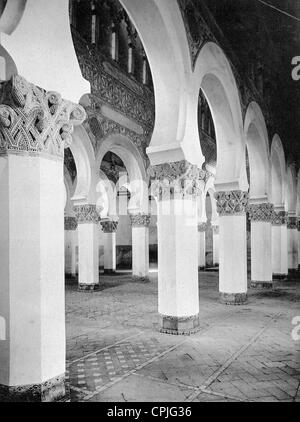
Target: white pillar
[(231, 206), (292, 235), (215, 245), (261, 245), (178, 293), (279, 244), (201, 246), (109, 228), (140, 245), (88, 247), (32, 302), (70, 245)]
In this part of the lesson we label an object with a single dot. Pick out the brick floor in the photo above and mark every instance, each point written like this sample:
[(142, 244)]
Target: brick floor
[(244, 353)]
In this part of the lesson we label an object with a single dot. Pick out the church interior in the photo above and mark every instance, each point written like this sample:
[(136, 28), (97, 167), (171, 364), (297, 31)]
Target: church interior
[(149, 201)]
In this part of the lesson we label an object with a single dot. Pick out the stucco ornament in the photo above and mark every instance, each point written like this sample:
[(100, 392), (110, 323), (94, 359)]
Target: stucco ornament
[(109, 226), (71, 223), (279, 218), (202, 227), (177, 178), (292, 223), (231, 202), (34, 120), (261, 212), (87, 213), (140, 220)]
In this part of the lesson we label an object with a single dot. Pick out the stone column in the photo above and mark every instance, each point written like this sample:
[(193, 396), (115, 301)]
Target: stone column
[(215, 230), (88, 246), (176, 187), (201, 246), (140, 245), (261, 245), (35, 127), (70, 245), (109, 228), (292, 234), (279, 245), (231, 207)]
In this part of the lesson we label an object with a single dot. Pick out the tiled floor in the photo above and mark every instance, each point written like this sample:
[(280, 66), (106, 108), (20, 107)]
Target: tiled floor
[(244, 353)]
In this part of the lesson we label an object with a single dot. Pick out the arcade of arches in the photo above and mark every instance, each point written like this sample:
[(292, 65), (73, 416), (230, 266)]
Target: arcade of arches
[(132, 150)]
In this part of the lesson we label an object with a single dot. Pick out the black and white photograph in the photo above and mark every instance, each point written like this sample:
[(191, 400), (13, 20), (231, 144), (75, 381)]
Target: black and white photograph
[(149, 204)]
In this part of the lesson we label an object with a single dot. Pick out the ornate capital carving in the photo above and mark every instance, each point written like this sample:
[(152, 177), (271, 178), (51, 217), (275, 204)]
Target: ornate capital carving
[(215, 229), (176, 178), (140, 220), (87, 213), (34, 120), (71, 223), (202, 227), (231, 202), (109, 226), (261, 212), (292, 223), (279, 218)]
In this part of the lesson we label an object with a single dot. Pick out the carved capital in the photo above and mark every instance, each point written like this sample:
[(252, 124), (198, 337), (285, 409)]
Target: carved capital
[(279, 218), (87, 213), (34, 120), (261, 212), (231, 202), (71, 223), (140, 220), (109, 226), (178, 178), (202, 227), (292, 223)]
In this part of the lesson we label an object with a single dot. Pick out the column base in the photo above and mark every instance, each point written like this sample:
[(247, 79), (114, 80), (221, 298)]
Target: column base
[(49, 391), (279, 276), (179, 325), (108, 271), (140, 279), (87, 287), (233, 298), (261, 284)]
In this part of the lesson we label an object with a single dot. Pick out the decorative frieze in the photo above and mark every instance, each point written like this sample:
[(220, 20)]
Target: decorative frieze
[(279, 218), (292, 223), (140, 220), (34, 120), (202, 227), (109, 226), (231, 202), (87, 213), (261, 212), (177, 178), (71, 223)]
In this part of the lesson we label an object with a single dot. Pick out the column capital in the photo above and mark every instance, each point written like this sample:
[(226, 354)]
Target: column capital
[(232, 202), (140, 220), (279, 218), (71, 223), (202, 226), (177, 178), (109, 226), (292, 222), (35, 121), (262, 212), (87, 213)]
